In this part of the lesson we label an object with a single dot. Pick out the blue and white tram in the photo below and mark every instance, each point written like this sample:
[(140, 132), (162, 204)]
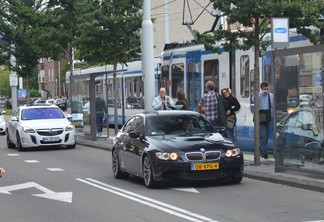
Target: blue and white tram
[(188, 67), (129, 87)]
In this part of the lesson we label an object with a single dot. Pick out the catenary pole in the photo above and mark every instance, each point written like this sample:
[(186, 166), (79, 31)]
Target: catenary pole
[(166, 17), (148, 56), (13, 81)]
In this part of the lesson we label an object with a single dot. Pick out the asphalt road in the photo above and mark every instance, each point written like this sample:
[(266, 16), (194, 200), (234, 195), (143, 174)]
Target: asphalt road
[(77, 185)]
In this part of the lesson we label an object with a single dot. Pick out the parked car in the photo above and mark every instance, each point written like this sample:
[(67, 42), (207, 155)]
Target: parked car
[(111, 103), (300, 134), (61, 103), (39, 126), (134, 103), (3, 124), (39, 102), (49, 101), (172, 152), (77, 113)]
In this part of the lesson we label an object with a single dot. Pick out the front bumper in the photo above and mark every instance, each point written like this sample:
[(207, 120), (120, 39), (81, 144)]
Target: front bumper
[(36, 140), (182, 170)]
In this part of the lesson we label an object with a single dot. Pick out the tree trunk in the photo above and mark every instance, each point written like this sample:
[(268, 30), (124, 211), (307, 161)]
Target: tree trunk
[(115, 99)]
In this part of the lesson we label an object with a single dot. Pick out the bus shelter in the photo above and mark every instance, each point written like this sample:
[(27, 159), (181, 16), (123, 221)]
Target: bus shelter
[(85, 88), (298, 75)]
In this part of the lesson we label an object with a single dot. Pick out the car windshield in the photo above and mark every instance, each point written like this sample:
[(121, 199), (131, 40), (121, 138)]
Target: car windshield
[(77, 107), (178, 125), (41, 113)]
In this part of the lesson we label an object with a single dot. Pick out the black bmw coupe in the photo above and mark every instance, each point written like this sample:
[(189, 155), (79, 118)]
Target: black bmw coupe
[(172, 145)]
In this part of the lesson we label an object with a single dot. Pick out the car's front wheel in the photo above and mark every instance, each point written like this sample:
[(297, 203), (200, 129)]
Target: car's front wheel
[(9, 143), (236, 180), (148, 173), (71, 146), (118, 173), (19, 145)]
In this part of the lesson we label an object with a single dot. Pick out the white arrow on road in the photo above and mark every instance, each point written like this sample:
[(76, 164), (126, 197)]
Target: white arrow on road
[(49, 194)]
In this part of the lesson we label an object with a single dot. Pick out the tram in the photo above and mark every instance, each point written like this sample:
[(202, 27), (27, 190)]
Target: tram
[(188, 67)]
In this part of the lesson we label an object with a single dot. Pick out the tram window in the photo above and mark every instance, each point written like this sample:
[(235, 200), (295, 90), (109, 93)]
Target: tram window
[(245, 77), (211, 71), (177, 79), (165, 76)]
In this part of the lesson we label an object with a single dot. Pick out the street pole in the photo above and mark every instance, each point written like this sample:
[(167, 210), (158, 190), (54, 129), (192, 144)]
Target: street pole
[(166, 17), (148, 56), (13, 82)]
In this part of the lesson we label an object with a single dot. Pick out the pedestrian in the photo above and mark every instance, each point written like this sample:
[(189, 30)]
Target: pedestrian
[(162, 101), (234, 106), (101, 110), (266, 117), (182, 100), (213, 106), (2, 171)]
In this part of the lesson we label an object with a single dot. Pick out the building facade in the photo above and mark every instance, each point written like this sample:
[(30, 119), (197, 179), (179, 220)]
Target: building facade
[(50, 81)]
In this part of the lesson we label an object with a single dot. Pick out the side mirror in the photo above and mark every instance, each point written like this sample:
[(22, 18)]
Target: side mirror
[(307, 127), (69, 117), (134, 134), (13, 119), (220, 129)]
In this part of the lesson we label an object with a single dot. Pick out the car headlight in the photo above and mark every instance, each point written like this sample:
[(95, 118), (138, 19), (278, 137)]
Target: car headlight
[(167, 156), (233, 152), (69, 127), (28, 129)]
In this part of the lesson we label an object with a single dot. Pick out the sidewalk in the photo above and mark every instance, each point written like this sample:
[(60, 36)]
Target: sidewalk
[(264, 172)]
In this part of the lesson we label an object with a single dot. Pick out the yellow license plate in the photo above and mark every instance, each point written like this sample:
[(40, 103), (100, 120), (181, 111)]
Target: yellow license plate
[(204, 166)]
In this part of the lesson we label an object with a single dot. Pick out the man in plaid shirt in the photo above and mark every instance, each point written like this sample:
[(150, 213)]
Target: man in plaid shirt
[(214, 106)]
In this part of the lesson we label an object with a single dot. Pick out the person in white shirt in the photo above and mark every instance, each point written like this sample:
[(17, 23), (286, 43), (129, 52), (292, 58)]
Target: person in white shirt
[(162, 101)]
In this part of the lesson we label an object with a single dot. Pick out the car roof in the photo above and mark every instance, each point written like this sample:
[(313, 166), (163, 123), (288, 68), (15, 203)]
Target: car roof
[(168, 113), (39, 107)]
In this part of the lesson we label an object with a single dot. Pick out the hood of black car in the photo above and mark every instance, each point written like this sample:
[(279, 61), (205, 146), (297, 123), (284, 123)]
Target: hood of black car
[(189, 143)]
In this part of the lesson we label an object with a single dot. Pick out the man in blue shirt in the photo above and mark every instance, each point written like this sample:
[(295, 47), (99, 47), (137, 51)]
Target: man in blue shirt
[(266, 103)]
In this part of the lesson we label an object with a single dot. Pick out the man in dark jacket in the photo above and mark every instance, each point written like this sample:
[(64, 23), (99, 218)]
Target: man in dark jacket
[(101, 110)]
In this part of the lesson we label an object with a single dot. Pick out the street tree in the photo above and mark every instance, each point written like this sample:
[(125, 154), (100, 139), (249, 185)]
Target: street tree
[(255, 17), (109, 33), (4, 79), (36, 29)]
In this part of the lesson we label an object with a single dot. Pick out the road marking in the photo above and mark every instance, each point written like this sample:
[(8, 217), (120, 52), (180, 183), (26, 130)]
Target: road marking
[(315, 221), (49, 194), (55, 169), (13, 154), (31, 161), (185, 189), (173, 210)]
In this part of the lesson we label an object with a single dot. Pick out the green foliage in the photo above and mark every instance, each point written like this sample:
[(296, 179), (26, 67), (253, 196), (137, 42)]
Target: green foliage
[(109, 31), (5, 89), (256, 16), (34, 93)]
